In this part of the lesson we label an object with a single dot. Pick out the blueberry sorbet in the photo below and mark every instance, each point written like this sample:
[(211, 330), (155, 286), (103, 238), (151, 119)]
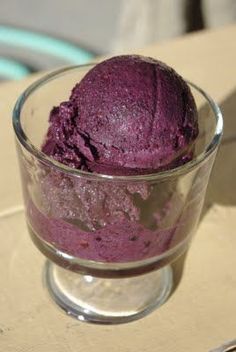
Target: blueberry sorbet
[(130, 115)]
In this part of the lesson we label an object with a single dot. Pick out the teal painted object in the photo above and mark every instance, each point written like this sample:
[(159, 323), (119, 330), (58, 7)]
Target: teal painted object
[(12, 69), (41, 43)]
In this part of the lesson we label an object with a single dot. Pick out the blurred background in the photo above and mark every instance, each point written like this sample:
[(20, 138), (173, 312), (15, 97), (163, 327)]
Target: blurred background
[(41, 35)]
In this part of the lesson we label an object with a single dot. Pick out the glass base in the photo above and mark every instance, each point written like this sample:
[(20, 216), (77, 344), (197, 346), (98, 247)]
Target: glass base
[(107, 301)]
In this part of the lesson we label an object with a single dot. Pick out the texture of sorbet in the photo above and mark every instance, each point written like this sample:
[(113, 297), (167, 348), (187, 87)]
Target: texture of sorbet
[(122, 241), (128, 115)]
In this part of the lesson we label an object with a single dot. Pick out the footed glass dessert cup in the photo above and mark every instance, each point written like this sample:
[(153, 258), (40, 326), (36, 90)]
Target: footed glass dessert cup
[(109, 240)]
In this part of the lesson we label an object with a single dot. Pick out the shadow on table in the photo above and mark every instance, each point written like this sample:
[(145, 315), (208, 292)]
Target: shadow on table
[(221, 188)]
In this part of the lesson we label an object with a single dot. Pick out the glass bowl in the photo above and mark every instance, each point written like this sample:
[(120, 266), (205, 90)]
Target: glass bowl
[(109, 240)]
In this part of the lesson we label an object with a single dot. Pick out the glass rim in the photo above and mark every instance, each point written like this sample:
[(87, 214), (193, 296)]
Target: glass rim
[(175, 172)]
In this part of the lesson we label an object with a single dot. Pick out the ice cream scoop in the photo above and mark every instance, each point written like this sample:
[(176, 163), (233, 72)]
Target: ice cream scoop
[(128, 115)]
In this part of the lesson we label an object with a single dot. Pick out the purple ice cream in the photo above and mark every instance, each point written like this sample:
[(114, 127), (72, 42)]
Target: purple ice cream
[(129, 115)]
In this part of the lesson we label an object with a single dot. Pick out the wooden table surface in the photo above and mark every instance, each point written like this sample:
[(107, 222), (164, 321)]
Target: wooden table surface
[(201, 313)]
